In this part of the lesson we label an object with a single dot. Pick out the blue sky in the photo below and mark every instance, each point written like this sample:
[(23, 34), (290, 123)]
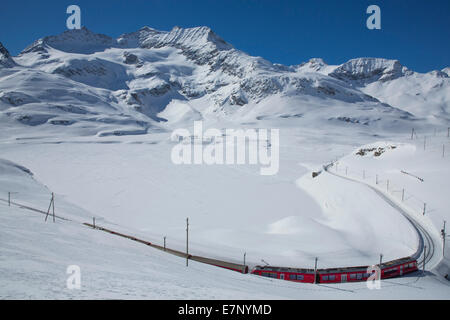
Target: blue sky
[(289, 32)]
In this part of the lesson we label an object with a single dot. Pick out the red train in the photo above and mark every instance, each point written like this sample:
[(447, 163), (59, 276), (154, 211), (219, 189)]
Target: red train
[(389, 269), (335, 275)]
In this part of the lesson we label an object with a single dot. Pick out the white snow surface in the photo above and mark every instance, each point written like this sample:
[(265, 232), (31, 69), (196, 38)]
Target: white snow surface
[(36, 255)]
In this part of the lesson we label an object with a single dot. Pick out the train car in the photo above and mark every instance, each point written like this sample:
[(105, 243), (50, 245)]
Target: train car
[(398, 267), (389, 269), (337, 275), (290, 274)]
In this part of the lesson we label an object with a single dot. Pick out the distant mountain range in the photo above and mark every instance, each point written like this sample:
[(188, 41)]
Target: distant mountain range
[(91, 84)]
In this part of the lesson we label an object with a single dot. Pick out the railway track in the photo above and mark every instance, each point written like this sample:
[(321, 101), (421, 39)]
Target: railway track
[(426, 248), (22, 206), (215, 262), (421, 255)]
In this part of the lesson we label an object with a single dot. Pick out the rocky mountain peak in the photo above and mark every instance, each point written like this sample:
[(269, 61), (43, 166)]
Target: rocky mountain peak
[(314, 64), (73, 41), (192, 38), (5, 57), (4, 53), (366, 70)]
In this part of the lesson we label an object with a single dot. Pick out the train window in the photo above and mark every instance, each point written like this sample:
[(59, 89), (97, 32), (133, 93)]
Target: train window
[(353, 276), (389, 271), (269, 274), (300, 277), (325, 278), (332, 277), (359, 276), (292, 277)]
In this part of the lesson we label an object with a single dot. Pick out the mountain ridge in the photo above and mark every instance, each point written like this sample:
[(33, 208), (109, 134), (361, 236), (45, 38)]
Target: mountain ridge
[(139, 74), (5, 57)]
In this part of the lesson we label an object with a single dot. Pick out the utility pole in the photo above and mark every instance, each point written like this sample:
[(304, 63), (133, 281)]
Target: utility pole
[(164, 243), (93, 221), (315, 271), (9, 197), (52, 204), (381, 259), (424, 208), (187, 242), (412, 134), (443, 239), (245, 253)]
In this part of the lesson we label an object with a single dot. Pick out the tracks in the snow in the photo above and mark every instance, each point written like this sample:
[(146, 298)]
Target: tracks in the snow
[(426, 247)]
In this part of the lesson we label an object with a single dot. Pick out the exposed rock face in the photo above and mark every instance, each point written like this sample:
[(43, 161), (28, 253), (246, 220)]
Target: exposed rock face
[(366, 70), (446, 71), (73, 41), (130, 58), (5, 58)]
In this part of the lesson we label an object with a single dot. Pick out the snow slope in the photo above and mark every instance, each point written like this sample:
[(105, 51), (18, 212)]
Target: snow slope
[(131, 182), (416, 171), (36, 255)]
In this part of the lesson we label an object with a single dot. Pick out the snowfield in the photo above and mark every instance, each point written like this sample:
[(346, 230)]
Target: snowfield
[(413, 173), (232, 209), (36, 255), (343, 223)]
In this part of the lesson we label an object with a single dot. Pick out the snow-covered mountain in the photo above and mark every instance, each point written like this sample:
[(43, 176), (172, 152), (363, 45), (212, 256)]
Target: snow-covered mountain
[(149, 79), (368, 70), (424, 95)]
